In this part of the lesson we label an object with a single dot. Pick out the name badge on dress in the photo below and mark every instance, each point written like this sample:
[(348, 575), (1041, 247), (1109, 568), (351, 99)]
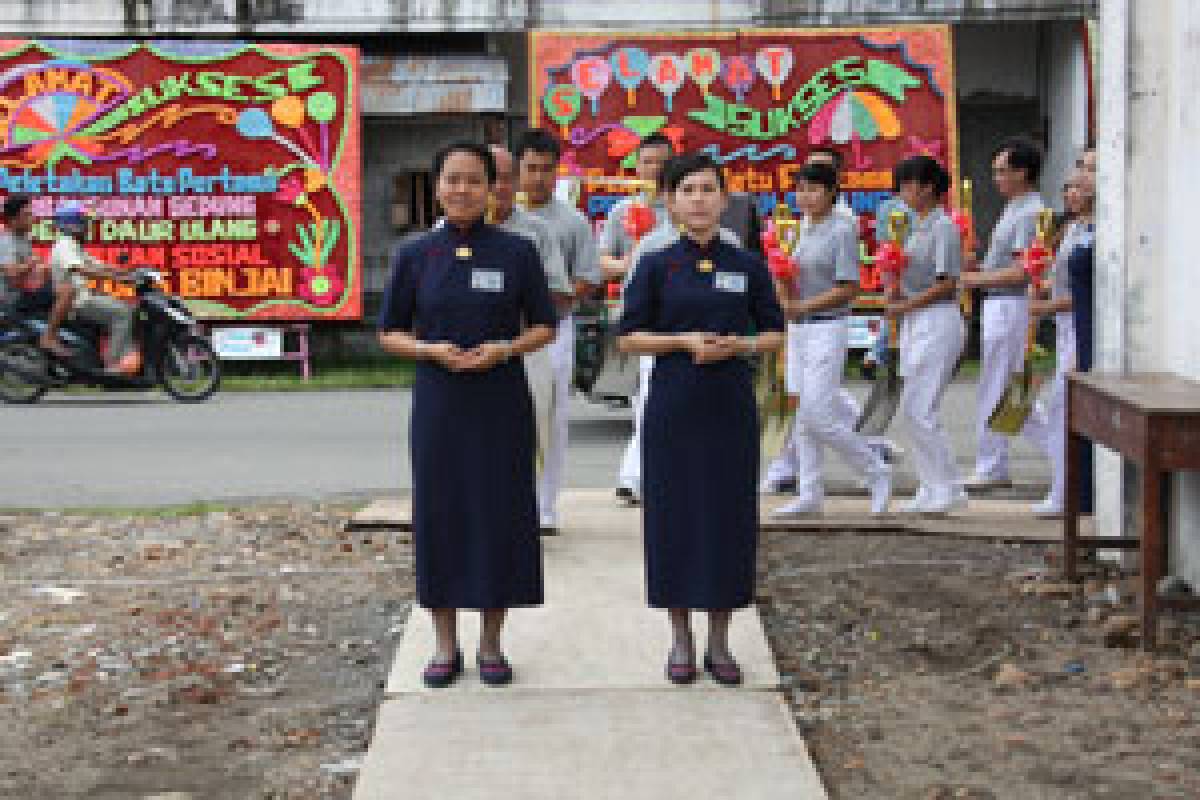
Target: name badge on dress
[(487, 280), (730, 282)]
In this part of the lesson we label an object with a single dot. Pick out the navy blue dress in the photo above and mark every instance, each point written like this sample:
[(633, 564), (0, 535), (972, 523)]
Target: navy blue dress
[(1081, 271), (700, 437), (475, 523)]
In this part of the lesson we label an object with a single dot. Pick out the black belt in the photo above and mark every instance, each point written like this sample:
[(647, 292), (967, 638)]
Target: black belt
[(833, 317)]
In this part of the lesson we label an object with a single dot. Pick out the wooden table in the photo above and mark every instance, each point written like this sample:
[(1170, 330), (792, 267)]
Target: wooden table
[(1152, 419)]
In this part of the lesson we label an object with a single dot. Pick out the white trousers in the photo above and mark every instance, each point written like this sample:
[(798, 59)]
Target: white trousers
[(1047, 425), (1005, 327), (931, 340), (816, 362), (560, 355), (783, 466), (630, 474)]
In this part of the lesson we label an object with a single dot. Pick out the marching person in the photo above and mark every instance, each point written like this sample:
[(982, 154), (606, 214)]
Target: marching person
[(826, 283), (538, 155), (615, 247), (693, 306), (539, 367), (781, 471), (1047, 426), (1016, 167), (463, 302), (932, 331)]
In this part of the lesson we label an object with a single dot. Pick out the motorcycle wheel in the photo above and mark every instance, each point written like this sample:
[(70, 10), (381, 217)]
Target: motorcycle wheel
[(15, 388), (188, 369)]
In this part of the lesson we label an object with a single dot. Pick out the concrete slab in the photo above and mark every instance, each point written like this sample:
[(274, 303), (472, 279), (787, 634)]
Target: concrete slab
[(595, 631), (595, 513), (661, 745)]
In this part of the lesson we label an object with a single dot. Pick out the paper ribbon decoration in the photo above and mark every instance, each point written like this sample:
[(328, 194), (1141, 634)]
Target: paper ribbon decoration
[(639, 220), (592, 75), (852, 115), (667, 73), (775, 64), (737, 73), (629, 66), (1035, 259), (704, 65), (563, 103), (890, 258)]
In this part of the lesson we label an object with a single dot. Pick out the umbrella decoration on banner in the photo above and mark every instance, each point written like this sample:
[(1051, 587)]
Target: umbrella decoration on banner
[(629, 67), (854, 116), (667, 72), (592, 75), (775, 64), (563, 103), (737, 73), (704, 65)]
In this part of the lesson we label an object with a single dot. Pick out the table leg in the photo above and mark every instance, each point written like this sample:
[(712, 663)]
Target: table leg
[(1152, 550), (1075, 445)]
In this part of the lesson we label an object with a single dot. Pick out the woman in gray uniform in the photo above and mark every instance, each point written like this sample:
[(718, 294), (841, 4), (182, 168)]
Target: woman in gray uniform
[(826, 282), (932, 332)]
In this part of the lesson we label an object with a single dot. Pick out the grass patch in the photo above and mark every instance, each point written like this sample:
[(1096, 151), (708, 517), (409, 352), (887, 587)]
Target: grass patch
[(196, 509), (285, 377)]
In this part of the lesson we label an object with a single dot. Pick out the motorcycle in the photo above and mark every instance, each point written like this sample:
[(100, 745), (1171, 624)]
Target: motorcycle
[(174, 356)]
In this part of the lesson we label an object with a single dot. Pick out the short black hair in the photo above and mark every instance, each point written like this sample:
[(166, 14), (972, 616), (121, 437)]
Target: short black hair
[(1023, 154), (821, 174), (839, 160), (924, 171), (680, 167), (537, 140), (656, 140), (14, 204), (480, 151)]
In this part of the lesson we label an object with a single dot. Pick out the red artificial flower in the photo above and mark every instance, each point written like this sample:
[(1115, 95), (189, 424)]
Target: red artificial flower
[(290, 189), (639, 220), (319, 287)]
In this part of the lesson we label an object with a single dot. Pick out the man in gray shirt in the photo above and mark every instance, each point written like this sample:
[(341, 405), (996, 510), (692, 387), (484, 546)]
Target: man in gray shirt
[(26, 282), (1016, 168), (615, 244)]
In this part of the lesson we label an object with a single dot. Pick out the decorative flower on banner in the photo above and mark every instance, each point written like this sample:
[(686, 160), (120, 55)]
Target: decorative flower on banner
[(629, 66), (291, 190), (592, 76), (319, 287)]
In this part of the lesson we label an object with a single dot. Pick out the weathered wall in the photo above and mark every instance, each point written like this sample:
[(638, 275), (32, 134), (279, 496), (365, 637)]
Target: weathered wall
[(824, 12), (1149, 185)]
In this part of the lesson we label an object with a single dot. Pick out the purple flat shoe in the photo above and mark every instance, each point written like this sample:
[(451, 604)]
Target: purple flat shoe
[(728, 674), (495, 671), (440, 674)]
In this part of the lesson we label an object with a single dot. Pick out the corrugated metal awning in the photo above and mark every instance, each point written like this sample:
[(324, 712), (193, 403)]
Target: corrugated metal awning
[(434, 84)]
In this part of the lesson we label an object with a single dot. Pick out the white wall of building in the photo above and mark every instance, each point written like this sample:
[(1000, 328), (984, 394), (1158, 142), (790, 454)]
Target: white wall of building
[(1148, 238)]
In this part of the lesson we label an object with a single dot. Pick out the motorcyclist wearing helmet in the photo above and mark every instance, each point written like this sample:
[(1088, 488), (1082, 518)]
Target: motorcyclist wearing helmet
[(72, 265)]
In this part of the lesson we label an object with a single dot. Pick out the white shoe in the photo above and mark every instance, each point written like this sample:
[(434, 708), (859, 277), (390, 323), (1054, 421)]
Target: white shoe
[(979, 482), (888, 450), (945, 501), (916, 504), (1050, 508), (798, 507), (770, 486), (880, 488)]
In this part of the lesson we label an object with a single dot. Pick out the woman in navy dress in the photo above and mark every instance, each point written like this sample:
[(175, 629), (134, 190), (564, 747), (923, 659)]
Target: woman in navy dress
[(465, 301), (694, 306)]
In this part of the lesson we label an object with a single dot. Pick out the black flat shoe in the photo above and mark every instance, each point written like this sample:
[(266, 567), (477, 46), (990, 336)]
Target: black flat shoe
[(495, 671), (728, 674), (440, 674)]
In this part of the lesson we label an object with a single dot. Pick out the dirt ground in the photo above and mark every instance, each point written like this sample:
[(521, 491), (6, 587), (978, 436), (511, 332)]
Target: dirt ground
[(933, 669), (241, 656), (222, 657)]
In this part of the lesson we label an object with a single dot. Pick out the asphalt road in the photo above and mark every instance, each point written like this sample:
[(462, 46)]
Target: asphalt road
[(138, 450)]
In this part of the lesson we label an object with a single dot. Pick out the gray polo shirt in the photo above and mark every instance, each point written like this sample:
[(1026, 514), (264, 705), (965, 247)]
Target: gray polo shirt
[(1014, 232), (614, 242), (575, 240), (13, 248), (826, 254), (934, 249), (524, 223)]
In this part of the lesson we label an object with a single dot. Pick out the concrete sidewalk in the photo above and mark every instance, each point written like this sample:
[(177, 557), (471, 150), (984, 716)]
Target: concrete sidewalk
[(590, 715)]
